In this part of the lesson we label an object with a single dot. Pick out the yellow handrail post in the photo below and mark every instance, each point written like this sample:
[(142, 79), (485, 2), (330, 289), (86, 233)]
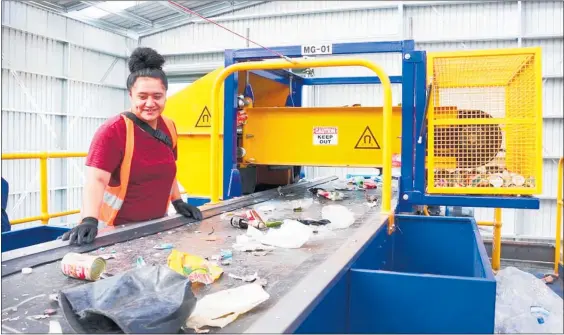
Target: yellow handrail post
[(559, 205), (294, 64), (496, 246), (44, 191)]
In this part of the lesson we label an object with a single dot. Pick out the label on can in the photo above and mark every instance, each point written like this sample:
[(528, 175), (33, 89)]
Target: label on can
[(82, 266)]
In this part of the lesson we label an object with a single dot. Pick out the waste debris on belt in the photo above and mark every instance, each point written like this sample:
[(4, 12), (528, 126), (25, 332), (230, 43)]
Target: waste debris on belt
[(264, 229)]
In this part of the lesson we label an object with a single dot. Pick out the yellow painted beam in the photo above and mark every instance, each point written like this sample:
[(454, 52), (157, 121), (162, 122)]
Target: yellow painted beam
[(313, 136)]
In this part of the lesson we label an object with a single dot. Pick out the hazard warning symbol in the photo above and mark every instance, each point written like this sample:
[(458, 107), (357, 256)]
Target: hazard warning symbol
[(367, 140), (204, 121)]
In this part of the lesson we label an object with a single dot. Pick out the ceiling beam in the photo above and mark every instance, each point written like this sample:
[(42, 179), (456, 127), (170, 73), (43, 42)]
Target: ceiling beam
[(208, 6), (174, 8), (122, 13), (77, 6), (193, 19)]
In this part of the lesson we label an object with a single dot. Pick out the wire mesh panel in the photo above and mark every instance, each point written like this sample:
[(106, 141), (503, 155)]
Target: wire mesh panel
[(485, 122)]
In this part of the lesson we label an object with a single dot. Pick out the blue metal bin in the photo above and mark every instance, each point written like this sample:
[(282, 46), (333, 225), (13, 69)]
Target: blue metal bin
[(22, 238), (432, 275)]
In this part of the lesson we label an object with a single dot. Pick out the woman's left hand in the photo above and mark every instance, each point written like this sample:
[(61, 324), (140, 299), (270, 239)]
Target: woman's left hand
[(187, 210)]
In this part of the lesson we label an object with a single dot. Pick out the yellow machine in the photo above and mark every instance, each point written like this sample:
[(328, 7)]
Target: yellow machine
[(470, 123)]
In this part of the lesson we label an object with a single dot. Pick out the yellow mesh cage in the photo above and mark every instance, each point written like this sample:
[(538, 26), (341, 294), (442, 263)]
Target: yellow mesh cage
[(485, 122)]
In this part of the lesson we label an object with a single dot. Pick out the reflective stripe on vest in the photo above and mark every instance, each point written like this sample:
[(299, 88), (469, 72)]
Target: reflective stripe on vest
[(115, 195)]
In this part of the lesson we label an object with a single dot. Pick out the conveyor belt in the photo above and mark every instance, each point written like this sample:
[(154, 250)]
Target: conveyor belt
[(283, 268), (14, 261)]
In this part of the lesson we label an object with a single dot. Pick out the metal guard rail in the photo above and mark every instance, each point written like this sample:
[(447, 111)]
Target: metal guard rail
[(43, 191), (296, 64)]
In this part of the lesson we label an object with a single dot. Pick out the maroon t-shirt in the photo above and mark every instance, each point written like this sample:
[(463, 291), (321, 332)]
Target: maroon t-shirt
[(153, 168)]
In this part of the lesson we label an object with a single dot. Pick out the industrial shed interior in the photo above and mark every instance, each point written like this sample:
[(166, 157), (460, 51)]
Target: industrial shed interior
[(64, 73)]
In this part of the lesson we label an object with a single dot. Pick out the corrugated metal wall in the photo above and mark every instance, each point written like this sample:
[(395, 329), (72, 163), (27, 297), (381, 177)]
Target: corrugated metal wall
[(60, 80), (433, 25)]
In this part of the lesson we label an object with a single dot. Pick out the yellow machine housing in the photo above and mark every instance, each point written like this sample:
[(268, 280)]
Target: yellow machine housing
[(328, 136), (189, 108)]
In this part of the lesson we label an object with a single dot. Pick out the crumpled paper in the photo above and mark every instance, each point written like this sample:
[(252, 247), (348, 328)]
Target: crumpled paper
[(221, 308)]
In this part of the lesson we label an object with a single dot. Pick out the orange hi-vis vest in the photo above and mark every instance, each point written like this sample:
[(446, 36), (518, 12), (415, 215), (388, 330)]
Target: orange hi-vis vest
[(115, 195)]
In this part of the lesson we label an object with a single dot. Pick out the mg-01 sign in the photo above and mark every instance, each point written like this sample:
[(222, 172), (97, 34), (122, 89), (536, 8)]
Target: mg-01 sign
[(325, 135), (317, 49)]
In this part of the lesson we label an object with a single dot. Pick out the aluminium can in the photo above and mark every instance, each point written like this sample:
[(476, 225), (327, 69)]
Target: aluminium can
[(82, 266)]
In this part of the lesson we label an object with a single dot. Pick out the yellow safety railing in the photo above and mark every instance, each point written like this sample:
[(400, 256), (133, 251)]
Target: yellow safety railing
[(496, 243), (296, 64), (559, 205), (44, 192)]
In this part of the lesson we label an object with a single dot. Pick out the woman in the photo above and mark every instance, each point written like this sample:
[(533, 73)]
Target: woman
[(131, 169)]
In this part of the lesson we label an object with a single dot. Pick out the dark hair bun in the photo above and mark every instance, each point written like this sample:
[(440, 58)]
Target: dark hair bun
[(145, 58)]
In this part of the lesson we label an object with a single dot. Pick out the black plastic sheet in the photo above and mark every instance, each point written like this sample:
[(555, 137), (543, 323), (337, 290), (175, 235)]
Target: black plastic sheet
[(149, 300)]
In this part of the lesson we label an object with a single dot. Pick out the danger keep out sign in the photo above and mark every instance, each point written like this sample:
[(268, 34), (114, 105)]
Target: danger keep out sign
[(325, 136)]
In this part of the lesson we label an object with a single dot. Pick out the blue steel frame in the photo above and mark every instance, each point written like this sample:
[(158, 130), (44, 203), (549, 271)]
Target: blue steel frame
[(413, 81)]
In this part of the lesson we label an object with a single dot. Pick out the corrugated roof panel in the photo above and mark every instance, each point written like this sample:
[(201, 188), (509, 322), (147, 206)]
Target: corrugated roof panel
[(153, 11), (289, 6), (147, 11), (284, 30)]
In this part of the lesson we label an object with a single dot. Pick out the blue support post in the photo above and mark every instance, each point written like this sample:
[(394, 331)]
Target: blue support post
[(231, 178), (407, 131), (420, 99)]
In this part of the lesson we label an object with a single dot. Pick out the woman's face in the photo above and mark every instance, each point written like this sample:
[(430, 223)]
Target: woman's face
[(148, 97)]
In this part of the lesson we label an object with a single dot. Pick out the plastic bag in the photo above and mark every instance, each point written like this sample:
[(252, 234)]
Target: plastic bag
[(519, 298), (340, 216), (292, 235), (221, 308), (148, 300), (197, 269)]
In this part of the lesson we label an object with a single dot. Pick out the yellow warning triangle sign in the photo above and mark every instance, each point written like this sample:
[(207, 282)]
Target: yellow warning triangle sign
[(204, 120), (367, 140)]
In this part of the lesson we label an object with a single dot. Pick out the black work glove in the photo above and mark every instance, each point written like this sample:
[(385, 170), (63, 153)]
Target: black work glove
[(187, 210), (84, 233)]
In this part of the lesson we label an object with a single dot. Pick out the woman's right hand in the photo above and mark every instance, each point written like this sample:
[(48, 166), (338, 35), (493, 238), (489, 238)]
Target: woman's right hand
[(84, 233)]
